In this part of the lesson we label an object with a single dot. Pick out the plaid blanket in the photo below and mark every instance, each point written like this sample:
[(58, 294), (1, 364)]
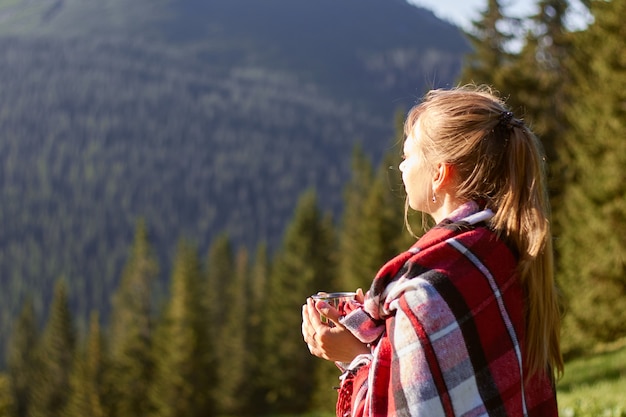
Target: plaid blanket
[(446, 324)]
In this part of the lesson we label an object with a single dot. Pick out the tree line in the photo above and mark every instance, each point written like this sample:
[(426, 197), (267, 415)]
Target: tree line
[(225, 338)]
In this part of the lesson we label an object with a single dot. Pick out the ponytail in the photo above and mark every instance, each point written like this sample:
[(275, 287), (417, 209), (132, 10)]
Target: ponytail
[(523, 216)]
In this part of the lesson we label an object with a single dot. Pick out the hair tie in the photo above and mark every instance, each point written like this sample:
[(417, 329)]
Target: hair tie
[(505, 118)]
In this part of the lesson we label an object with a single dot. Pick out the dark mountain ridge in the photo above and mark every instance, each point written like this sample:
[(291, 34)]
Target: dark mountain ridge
[(201, 117)]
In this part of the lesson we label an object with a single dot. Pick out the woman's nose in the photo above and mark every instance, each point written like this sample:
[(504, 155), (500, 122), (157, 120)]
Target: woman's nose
[(401, 165)]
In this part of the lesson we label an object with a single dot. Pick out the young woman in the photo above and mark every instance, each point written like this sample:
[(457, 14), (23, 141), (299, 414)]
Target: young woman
[(466, 322)]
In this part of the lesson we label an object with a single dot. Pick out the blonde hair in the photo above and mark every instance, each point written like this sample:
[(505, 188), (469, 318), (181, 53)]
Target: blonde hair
[(496, 159)]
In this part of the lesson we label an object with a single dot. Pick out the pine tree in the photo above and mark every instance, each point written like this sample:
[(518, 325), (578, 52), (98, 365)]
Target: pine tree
[(51, 384), (232, 360), (382, 224), (183, 375), (535, 82), (353, 271), (592, 245), (372, 230), (489, 42), (387, 201), (7, 401), (220, 270), (303, 266), (220, 266), (88, 395), (131, 330), (22, 359), (257, 296), (257, 286)]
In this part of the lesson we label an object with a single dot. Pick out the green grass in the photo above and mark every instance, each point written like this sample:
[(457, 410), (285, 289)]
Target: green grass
[(595, 385)]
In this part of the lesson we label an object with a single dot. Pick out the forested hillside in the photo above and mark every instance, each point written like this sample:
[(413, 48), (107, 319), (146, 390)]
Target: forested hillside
[(199, 117)]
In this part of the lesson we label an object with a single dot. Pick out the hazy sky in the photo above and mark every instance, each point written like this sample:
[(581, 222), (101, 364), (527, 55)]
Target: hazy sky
[(461, 12)]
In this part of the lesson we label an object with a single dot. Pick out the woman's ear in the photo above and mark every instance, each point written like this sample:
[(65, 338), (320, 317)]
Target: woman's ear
[(442, 176)]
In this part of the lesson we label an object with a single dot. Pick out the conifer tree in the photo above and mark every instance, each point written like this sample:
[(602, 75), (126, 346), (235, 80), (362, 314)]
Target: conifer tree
[(593, 221), (372, 229), (131, 330), (220, 266), (51, 384), (257, 296), (257, 286), (88, 395), (231, 353), (183, 374), (353, 271), (303, 266), (382, 224), (489, 42), (394, 199), (22, 359), (220, 270), (535, 83), (7, 402)]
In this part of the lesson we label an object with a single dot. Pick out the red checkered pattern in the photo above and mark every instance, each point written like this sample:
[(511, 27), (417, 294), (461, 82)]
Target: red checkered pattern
[(446, 319)]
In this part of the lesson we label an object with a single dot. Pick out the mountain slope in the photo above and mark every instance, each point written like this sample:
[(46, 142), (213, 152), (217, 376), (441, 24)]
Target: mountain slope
[(199, 116)]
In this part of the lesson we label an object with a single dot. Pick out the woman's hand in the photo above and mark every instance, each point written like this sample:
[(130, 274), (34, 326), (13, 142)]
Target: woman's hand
[(331, 343)]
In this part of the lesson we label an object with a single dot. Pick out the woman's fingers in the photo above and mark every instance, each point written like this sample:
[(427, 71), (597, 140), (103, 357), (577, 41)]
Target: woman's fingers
[(308, 330), (326, 342), (328, 311), (313, 330), (360, 297)]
